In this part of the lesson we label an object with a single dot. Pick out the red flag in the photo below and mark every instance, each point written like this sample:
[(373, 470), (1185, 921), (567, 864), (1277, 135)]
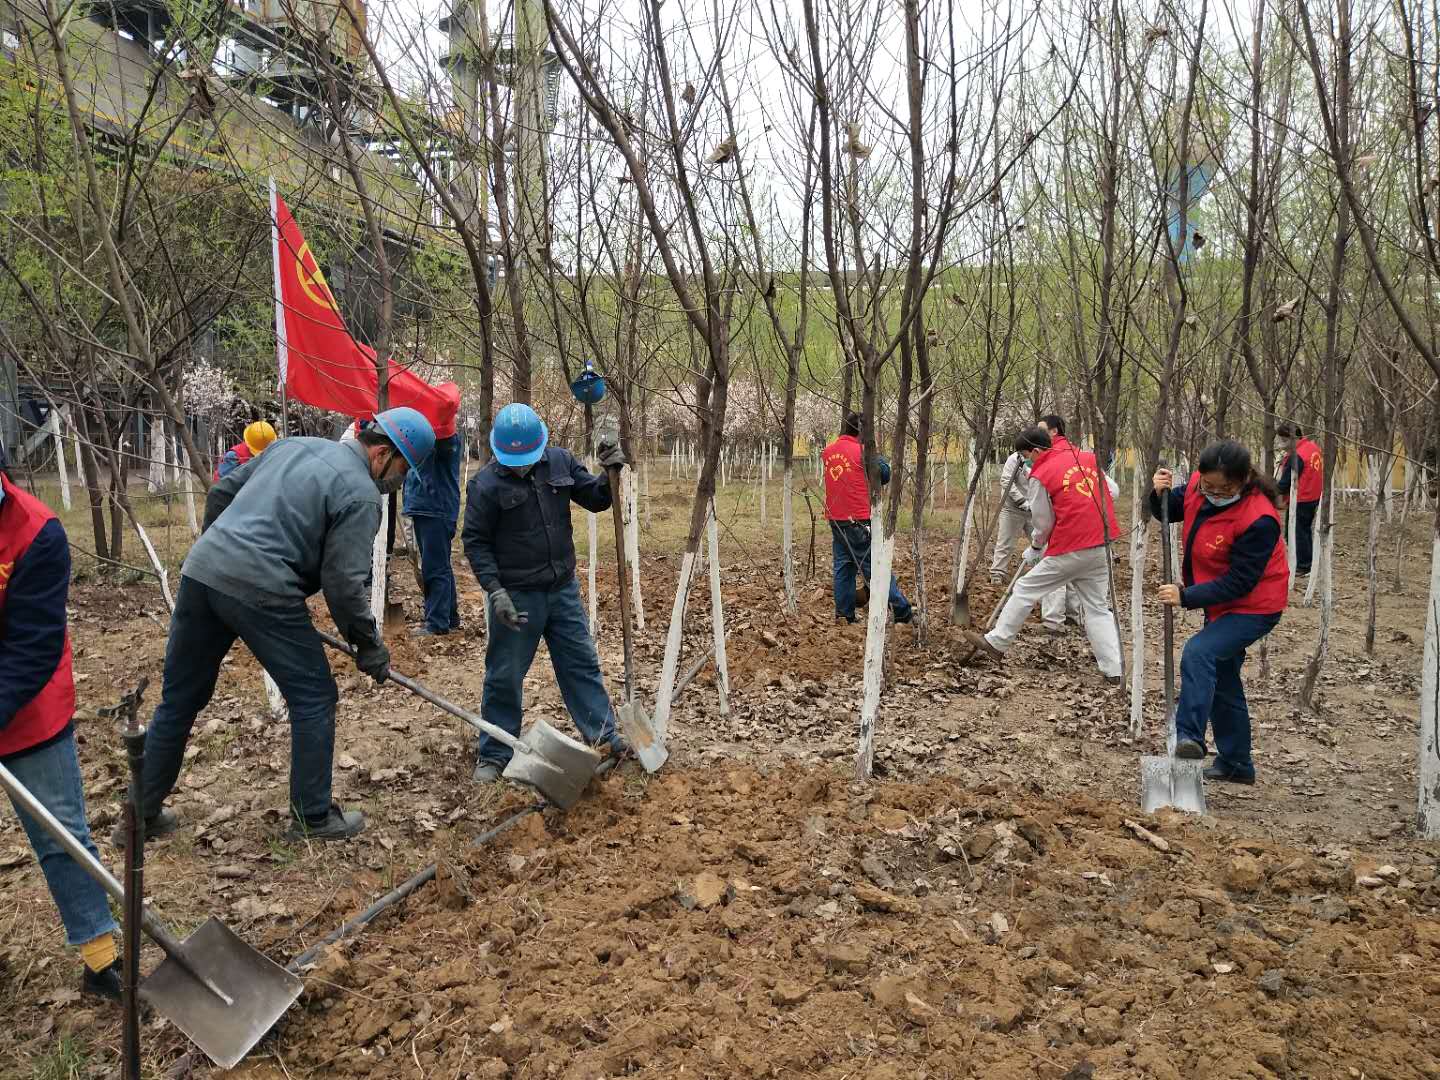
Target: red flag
[(320, 363)]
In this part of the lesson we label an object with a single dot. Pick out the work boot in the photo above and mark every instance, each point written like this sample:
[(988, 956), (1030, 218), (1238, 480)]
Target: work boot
[(1227, 775), (163, 823), (1190, 750), (1054, 631), (906, 616), (337, 824), (1114, 680), (105, 983), (980, 648), (425, 631), (487, 772)]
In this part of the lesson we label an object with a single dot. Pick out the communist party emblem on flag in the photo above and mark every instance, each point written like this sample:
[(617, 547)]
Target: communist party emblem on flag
[(320, 363)]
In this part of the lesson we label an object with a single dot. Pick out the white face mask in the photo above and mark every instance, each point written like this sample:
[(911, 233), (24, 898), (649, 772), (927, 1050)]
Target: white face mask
[(1219, 501)]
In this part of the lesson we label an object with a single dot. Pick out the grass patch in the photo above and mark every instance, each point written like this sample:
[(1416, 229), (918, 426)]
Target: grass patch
[(66, 1060)]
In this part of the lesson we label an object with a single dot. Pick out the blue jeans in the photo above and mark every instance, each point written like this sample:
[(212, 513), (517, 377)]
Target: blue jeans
[(202, 629), (850, 545), (52, 775), (558, 616), (1210, 687), (433, 536)]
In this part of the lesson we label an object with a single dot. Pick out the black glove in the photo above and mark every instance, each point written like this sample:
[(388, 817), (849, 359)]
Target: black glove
[(373, 660), (610, 454), (503, 608)]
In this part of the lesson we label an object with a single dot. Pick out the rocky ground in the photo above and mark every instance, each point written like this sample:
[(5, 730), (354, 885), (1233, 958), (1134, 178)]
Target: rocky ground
[(992, 905)]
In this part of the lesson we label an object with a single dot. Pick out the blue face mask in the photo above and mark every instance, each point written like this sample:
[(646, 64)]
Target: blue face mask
[(1220, 501)]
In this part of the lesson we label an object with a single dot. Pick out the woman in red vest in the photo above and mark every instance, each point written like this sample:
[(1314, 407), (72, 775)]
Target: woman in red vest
[(1235, 569), (37, 702), (1306, 466)]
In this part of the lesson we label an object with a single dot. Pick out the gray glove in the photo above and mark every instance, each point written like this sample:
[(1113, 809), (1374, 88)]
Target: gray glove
[(1033, 555), (610, 454), (503, 608), (373, 660)]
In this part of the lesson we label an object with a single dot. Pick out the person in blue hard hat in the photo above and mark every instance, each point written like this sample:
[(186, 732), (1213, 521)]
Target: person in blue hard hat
[(432, 502), (298, 519), (518, 540)]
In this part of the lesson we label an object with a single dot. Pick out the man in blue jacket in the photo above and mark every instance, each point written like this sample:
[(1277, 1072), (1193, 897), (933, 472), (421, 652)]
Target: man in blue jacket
[(299, 519), (432, 501), (517, 537)]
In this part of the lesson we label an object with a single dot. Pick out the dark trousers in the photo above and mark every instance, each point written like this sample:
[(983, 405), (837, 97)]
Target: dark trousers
[(1305, 535), (557, 615), (202, 629), (434, 536), (850, 546), (1210, 687)]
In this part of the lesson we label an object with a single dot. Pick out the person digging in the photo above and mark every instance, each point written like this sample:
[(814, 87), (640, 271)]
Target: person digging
[(299, 519), (518, 540), (1073, 513)]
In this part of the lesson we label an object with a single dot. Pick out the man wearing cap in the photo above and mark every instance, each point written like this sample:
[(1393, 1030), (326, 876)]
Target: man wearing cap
[(258, 436), (517, 537), (307, 524), (432, 502)]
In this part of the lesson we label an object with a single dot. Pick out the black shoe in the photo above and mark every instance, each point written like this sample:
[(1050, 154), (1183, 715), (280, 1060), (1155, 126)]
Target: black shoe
[(1302, 571), (907, 616), (1228, 776), (162, 824), (338, 824), (425, 631), (487, 772), (845, 618), (103, 984), (1190, 750)]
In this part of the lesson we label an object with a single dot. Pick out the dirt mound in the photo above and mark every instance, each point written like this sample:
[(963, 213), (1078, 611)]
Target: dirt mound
[(732, 923)]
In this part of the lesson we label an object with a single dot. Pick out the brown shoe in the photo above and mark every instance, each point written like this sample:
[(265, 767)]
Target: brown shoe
[(980, 649)]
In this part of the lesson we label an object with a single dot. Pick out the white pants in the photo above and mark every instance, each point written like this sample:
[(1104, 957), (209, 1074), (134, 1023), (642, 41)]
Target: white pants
[(1087, 572), (1055, 605)]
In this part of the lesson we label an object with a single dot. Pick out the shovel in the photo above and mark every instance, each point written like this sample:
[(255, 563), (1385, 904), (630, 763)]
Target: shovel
[(555, 765), (632, 719), (1168, 780), (218, 990)]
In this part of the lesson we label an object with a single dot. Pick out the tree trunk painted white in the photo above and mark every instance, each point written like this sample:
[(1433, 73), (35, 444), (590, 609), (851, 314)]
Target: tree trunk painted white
[(377, 569), (1139, 549), (764, 486), (1427, 809), (717, 613), (962, 564), (75, 440), (275, 699), (182, 477), (1291, 534), (1324, 512), (787, 539), (882, 556), (645, 489), (57, 430), (155, 562), (632, 545), (664, 693), (155, 475), (592, 539)]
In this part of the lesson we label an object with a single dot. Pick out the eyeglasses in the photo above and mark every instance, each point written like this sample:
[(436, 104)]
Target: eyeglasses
[(1220, 493)]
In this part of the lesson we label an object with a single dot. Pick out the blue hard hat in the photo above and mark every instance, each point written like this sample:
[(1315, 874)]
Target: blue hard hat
[(519, 436), (589, 388), (411, 433)]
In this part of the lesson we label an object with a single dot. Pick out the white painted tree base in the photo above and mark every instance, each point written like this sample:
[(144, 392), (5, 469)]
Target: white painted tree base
[(717, 614), (57, 430), (632, 545), (275, 699), (377, 568), (882, 556), (1139, 550), (787, 542), (1427, 810), (664, 694)]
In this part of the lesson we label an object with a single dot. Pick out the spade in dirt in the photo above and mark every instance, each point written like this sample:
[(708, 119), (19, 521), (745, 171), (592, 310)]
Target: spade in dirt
[(632, 718), (551, 762), (218, 990), (1168, 780)]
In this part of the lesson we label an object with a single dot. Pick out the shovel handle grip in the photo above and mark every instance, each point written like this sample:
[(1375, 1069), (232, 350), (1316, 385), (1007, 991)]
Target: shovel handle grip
[(435, 699)]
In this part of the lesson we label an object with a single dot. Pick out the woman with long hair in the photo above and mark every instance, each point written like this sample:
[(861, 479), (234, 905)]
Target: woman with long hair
[(1235, 570)]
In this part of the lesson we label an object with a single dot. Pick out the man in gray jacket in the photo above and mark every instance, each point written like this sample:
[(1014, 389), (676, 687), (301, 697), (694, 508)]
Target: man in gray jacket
[(299, 519)]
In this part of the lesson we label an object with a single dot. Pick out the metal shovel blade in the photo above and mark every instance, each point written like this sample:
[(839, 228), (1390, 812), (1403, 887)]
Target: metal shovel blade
[(639, 731), (1173, 782), (555, 765), (260, 988)]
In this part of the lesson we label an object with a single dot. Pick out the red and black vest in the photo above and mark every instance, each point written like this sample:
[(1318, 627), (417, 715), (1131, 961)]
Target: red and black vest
[(21, 517), (1312, 480), (1079, 495), (241, 450), (1209, 551), (847, 492)]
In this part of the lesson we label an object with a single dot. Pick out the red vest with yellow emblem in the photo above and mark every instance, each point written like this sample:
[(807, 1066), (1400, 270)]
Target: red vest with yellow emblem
[(1077, 492), (847, 492), (1210, 551), (242, 452), (46, 714), (1312, 480)]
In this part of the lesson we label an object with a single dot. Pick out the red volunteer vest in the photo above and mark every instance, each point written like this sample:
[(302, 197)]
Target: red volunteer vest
[(1077, 492), (241, 450), (1312, 480), (847, 493), (1210, 551), (46, 714)]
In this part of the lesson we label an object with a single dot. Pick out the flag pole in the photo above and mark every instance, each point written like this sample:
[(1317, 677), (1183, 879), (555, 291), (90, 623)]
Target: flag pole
[(282, 345)]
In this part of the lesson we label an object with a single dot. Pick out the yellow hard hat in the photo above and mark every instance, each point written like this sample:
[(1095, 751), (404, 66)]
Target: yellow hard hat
[(259, 435)]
